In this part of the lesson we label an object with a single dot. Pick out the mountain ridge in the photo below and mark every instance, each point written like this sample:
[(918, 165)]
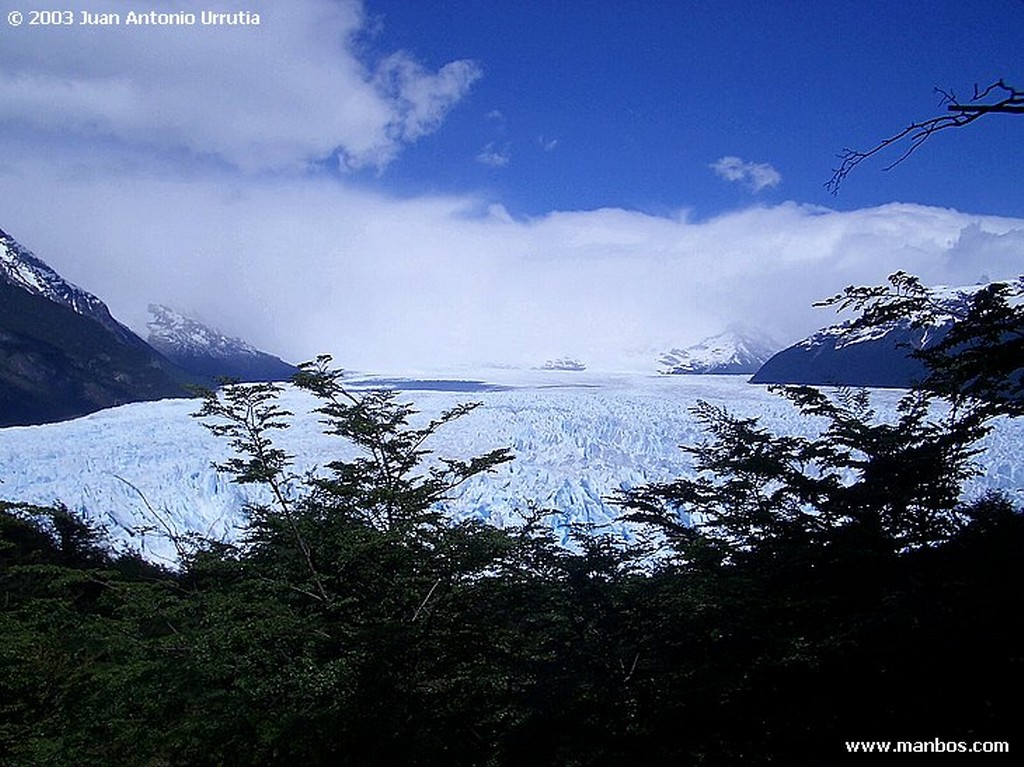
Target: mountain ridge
[(876, 356), (62, 354), (22, 268), (735, 351), (204, 351)]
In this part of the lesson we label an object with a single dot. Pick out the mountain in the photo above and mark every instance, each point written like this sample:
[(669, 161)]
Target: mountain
[(62, 354), (837, 356), (734, 352), (21, 268), (205, 352), (874, 357)]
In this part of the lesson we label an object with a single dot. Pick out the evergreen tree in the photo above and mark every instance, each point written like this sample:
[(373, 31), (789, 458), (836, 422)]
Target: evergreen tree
[(837, 576)]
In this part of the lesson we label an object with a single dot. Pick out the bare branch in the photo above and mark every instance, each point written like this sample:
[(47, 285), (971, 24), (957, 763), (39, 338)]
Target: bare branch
[(169, 531), (958, 115), (632, 668), (426, 599)]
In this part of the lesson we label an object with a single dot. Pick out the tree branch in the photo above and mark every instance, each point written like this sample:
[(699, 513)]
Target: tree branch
[(958, 115)]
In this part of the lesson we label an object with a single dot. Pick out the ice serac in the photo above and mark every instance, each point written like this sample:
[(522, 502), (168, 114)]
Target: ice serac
[(62, 354), (209, 353), (734, 352), (565, 364)]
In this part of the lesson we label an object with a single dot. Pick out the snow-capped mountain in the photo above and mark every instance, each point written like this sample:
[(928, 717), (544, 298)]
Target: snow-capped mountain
[(837, 356), (876, 356), (204, 351), (734, 352), (22, 268), (62, 355)]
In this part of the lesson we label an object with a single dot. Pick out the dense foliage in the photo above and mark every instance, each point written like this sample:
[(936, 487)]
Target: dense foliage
[(823, 590)]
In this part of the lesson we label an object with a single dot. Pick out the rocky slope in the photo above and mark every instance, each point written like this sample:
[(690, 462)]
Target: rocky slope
[(205, 352), (62, 354), (734, 352)]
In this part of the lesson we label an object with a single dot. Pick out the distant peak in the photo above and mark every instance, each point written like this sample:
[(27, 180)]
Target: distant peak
[(172, 331), (734, 351), (202, 350)]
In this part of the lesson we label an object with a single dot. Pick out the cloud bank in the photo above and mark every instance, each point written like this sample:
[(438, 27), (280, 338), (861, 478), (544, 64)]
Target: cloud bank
[(303, 267)]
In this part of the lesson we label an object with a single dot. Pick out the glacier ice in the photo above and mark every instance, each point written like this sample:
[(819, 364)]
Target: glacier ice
[(576, 437)]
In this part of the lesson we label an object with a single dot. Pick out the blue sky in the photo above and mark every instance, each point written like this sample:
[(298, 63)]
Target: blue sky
[(433, 184), (628, 103)]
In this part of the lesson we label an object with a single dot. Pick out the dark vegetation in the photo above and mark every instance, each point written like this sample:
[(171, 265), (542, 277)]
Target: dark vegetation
[(831, 589)]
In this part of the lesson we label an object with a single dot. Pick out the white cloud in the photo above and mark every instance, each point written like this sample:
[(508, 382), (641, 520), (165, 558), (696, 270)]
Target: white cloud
[(494, 156), (298, 87), (754, 175), (420, 100), (547, 144)]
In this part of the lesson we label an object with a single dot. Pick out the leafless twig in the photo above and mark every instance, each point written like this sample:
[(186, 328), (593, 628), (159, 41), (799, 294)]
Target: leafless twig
[(1008, 100)]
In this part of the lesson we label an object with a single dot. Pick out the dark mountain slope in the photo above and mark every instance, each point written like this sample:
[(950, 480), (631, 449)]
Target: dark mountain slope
[(207, 353), (57, 364), (837, 357)]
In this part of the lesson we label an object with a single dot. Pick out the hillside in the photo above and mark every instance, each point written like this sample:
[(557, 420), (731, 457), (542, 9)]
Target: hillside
[(62, 354), (208, 353), (56, 364)]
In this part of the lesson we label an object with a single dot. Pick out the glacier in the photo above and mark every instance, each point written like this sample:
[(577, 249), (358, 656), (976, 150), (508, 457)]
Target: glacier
[(576, 436)]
